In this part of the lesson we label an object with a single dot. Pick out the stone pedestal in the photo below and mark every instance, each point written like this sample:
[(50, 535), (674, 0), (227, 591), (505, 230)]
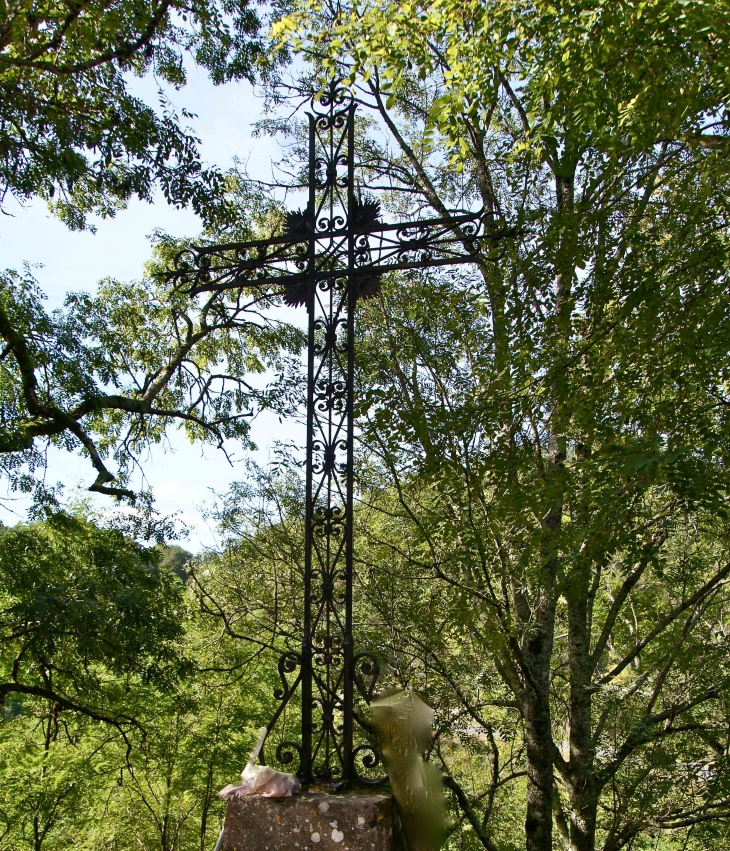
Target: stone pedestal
[(313, 821)]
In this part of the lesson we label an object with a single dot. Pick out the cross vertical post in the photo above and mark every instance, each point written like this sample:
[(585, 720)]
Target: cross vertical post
[(347, 719), (305, 765), (327, 657)]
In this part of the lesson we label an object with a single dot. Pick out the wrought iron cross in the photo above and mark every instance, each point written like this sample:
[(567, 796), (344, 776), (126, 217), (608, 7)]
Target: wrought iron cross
[(330, 255)]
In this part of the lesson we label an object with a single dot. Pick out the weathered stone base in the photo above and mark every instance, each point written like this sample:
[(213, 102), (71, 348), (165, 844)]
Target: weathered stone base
[(313, 821)]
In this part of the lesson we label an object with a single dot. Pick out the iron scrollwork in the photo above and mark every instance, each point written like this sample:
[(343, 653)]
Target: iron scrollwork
[(330, 255), (366, 670), (289, 663), (367, 765), (331, 743)]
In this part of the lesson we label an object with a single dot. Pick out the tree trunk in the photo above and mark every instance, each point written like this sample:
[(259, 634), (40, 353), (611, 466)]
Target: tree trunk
[(583, 791), (539, 815), (537, 647)]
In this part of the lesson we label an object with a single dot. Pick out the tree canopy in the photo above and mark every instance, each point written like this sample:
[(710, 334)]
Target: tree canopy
[(542, 529), (554, 423), (82, 607), (110, 373), (71, 131), (121, 714)]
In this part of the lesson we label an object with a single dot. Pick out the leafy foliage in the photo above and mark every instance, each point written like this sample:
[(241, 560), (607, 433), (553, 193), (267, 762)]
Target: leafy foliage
[(112, 372), (550, 427), (125, 711), (542, 523), (70, 130), (83, 608)]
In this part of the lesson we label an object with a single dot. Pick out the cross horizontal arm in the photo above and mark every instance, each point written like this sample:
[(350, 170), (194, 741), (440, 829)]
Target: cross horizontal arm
[(453, 221), (293, 280), (379, 248)]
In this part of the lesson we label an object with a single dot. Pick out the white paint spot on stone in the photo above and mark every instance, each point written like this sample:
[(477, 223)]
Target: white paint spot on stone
[(337, 835), (323, 806), (360, 821), (315, 837), (333, 824)]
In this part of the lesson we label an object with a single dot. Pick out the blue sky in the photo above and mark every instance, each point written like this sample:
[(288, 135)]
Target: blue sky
[(182, 477)]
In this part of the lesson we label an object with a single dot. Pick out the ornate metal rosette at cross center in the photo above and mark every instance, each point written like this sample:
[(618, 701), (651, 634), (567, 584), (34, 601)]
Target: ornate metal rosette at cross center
[(331, 254)]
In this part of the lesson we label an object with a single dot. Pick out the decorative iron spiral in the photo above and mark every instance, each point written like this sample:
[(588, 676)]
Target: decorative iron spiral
[(301, 255), (288, 663), (362, 250), (327, 652), (326, 284), (334, 96), (330, 336), (366, 670), (413, 233), (339, 580), (332, 177), (326, 461), (330, 396), (185, 261), (334, 118), (328, 521), (285, 754), (370, 758), (325, 224)]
